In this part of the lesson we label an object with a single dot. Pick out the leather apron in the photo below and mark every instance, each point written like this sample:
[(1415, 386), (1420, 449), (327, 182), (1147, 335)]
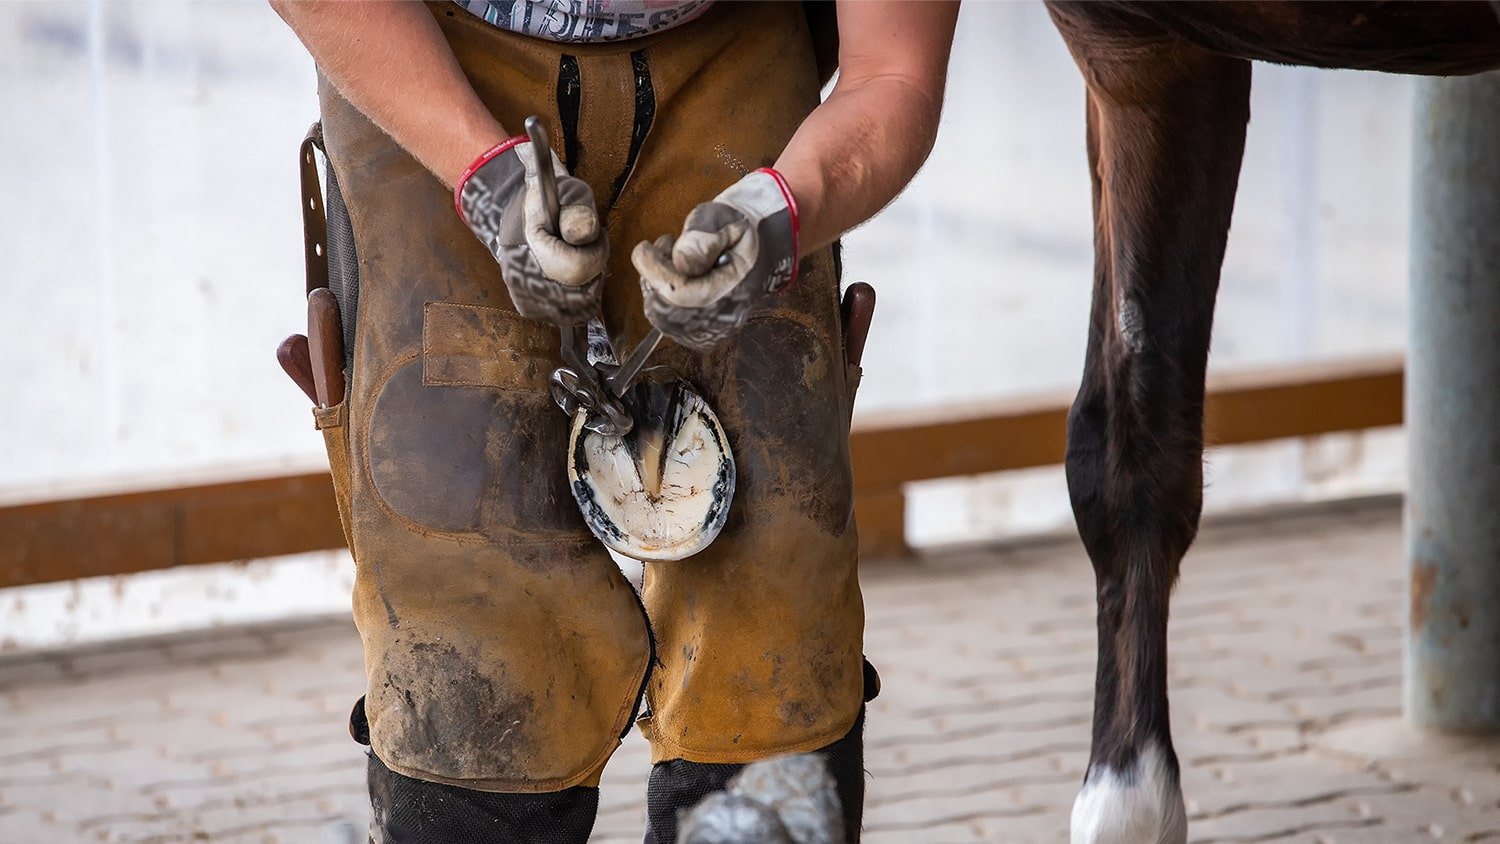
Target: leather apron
[(504, 650)]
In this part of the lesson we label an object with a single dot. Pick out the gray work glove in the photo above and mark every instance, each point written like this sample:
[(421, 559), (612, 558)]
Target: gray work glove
[(555, 276), (734, 251)]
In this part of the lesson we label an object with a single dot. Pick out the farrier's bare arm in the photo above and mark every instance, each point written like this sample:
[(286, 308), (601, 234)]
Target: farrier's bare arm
[(390, 60), (858, 149)]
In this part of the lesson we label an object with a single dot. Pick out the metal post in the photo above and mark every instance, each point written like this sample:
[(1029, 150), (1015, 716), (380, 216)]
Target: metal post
[(1453, 407)]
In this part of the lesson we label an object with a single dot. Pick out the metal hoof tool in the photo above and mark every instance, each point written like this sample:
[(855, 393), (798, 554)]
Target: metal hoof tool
[(578, 389), (648, 462)]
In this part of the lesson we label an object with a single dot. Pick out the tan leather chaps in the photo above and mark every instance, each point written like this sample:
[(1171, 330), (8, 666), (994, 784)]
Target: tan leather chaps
[(504, 650)]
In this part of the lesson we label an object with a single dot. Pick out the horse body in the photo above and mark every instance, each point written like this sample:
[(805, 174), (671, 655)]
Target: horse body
[(1426, 38), (1167, 107)]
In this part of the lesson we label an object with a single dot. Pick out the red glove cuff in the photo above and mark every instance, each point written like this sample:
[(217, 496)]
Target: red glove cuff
[(458, 187), (791, 204)]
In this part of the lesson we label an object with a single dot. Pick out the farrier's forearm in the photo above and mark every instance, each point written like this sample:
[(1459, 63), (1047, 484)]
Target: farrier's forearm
[(855, 153), (858, 149), (390, 60)]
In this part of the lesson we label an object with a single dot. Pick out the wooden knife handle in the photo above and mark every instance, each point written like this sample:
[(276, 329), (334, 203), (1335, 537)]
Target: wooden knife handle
[(858, 308), (325, 341), (294, 359)]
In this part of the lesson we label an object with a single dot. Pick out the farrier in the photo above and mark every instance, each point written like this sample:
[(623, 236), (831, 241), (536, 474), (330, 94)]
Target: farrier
[(702, 185)]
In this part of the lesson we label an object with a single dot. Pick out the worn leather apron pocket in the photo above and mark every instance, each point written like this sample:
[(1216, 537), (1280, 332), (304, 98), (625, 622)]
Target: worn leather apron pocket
[(463, 437)]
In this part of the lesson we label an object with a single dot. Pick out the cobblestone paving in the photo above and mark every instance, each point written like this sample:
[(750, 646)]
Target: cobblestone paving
[(1285, 685)]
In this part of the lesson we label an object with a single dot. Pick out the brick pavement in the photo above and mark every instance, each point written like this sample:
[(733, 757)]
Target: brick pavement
[(1285, 684)]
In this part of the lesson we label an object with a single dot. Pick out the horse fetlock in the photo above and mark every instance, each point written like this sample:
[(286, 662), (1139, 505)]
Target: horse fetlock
[(1140, 803)]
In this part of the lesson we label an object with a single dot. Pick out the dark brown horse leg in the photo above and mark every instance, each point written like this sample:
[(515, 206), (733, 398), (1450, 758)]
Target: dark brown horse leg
[(1166, 131)]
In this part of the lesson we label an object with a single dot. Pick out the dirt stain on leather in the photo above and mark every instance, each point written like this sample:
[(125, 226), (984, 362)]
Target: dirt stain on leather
[(459, 719), (811, 472)]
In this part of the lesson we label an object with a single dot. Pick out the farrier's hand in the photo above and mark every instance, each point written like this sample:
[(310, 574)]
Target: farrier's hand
[(734, 251), (553, 276)]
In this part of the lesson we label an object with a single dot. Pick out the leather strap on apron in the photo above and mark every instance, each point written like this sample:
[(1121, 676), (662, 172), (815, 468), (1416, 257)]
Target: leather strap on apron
[(314, 222)]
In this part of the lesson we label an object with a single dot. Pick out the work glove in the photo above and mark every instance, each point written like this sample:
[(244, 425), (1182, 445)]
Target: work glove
[(734, 251), (554, 273)]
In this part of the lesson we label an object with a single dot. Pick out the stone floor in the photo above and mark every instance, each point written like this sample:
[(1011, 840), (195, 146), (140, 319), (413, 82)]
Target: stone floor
[(1285, 683)]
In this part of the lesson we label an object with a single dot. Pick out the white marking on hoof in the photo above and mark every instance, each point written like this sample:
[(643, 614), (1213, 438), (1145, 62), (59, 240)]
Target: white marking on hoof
[(1141, 805)]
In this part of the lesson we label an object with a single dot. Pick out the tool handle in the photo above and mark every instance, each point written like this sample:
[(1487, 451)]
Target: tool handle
[(325, 341), (857, 309), (295, 360), (631, 367), (541, 147)]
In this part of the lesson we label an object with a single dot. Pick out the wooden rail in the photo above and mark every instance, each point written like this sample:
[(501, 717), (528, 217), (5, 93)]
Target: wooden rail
[(237, 520), (891, 450)]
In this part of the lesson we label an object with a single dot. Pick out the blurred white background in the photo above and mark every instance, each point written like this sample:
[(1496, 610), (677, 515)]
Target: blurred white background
[(151, 263)]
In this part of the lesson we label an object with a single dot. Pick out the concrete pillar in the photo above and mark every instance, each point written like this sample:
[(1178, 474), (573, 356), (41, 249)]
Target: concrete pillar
[(1453, 408)]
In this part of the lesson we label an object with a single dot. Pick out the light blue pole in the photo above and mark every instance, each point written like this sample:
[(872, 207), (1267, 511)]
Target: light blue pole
[(1453, 408)]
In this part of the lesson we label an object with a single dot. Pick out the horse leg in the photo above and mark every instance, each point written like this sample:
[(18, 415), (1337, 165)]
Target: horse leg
[(1166, 132)]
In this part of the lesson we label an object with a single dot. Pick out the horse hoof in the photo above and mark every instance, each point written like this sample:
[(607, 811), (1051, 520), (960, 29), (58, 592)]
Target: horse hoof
[(662, 491), (1140, 805)]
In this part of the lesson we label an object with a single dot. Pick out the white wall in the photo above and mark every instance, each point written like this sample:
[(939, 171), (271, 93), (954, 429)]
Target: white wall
[(150, 240)]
